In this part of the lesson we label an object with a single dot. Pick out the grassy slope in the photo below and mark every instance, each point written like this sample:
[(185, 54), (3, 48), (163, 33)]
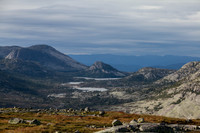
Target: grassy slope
[(66, 123)]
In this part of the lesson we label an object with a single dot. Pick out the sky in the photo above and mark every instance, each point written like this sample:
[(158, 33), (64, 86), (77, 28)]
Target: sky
[(125, 27)]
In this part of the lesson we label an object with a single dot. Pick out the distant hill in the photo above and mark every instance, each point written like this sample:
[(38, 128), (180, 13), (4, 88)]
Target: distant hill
[(133, 63), (100, 69), (45, 55)]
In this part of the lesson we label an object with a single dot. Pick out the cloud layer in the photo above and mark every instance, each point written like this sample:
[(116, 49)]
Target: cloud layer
[(107, 26)]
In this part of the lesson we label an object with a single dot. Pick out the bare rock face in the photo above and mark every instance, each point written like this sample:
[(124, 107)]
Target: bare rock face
[(187, 71)]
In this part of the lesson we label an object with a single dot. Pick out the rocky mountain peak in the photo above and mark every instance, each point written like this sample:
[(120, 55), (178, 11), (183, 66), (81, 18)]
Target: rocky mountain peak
[(98, 65)]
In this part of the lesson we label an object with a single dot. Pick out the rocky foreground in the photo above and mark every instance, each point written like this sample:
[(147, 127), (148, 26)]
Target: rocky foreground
[(88, 121)]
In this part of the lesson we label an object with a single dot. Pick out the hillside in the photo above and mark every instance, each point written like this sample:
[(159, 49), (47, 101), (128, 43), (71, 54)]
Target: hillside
[(47, 56), (178, 95), (80, 121)]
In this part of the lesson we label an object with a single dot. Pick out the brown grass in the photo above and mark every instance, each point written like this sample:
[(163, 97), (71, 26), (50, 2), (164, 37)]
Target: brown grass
[(85, 124)]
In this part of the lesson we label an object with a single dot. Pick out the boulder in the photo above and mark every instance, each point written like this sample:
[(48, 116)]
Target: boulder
[(35, 121), (116, 123), (140, 120), (15, 121), (101, 113), (87, 109), (133, 122), (151, 127)]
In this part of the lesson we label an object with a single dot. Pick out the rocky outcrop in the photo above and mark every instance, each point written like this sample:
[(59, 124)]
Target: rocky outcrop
[(189, 71)]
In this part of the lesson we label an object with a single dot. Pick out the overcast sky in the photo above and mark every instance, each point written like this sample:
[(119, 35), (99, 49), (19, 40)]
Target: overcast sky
[(128, 27)]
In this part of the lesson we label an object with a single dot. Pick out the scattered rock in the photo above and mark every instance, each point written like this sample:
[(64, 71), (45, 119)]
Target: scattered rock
[(188, 120), (116, 122), (140, 120)]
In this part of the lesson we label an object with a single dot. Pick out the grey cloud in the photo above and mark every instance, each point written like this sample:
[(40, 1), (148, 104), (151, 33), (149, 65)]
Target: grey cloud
[(106, 26)]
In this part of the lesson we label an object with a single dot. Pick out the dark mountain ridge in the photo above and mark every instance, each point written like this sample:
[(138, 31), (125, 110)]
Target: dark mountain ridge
[(47, 56)]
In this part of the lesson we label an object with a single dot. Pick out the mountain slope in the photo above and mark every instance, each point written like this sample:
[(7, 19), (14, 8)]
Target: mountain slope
[(46, 56), (5, 50), (149, 74), (178, 97)]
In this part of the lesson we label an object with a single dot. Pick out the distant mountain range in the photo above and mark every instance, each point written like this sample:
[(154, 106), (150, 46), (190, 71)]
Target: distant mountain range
[(134, 63), (40, 59)]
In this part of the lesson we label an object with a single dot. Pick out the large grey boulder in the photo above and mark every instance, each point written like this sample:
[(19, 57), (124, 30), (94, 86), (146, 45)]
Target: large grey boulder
[(35, 121), (15, 121), (116, 123), (153, 127), (101, 113)]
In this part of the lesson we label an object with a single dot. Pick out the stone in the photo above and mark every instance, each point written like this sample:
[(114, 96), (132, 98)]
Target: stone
[(87, 109), (140, 120), (150, 127), (77, 131), (188, 120), (122, 129), (70, 110), (35, 121), (116, 122), (15, 121), (101, 113), (133, 122)]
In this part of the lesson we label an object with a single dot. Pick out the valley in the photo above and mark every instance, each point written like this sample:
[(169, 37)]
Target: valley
[(58, 81)]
